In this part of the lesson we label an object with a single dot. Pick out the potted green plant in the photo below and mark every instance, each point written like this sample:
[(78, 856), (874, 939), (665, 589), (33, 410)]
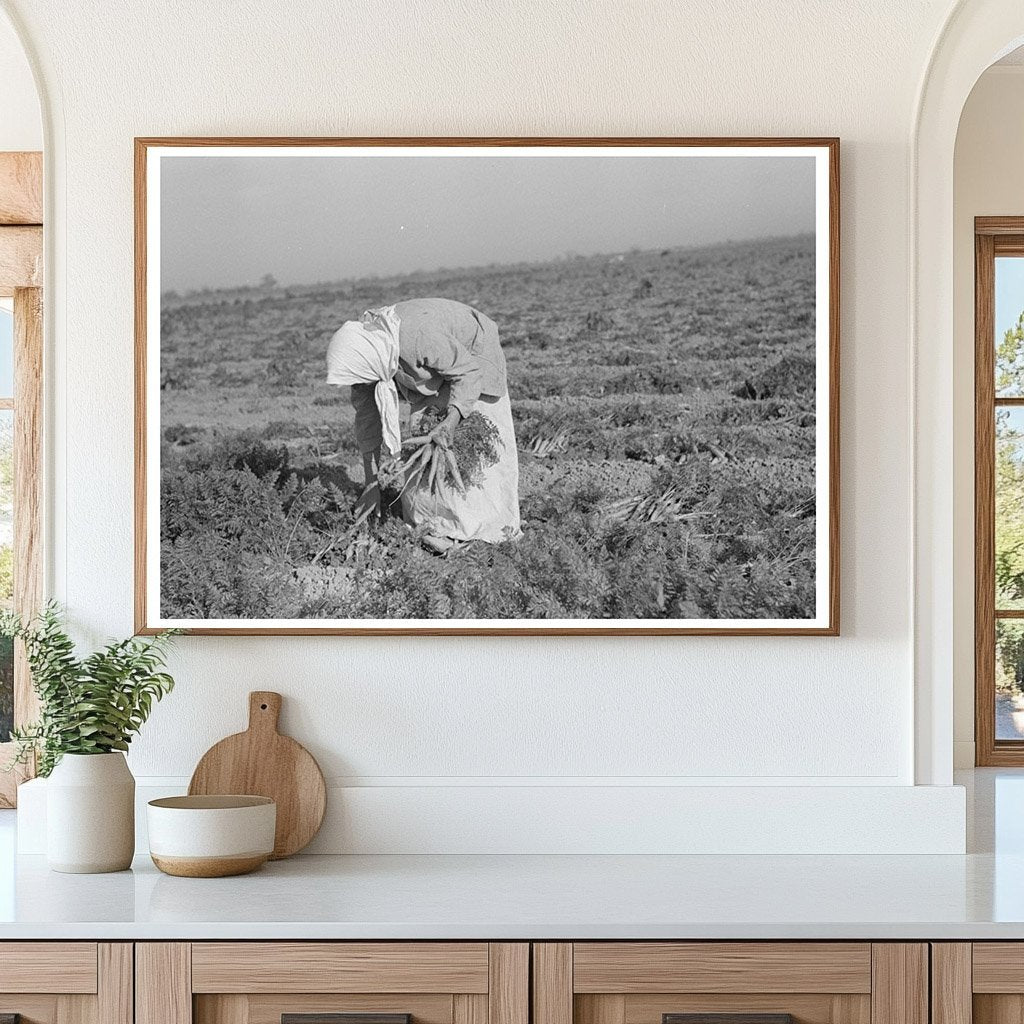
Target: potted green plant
[(90, 708)]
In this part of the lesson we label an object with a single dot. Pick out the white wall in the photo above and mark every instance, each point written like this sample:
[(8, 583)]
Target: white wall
[(987, 181), (451, 713), (21, 127)]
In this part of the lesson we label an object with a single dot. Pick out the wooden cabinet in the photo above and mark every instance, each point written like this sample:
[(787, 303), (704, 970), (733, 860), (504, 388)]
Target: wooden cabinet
[(66, 982), (494, 983), (753, 982), (980, 982), (306, 982)]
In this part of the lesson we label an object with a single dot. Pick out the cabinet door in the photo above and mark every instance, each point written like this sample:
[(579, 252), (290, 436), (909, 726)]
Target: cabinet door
[(979, 982), (65, 983), (332, 983), (730, 983)]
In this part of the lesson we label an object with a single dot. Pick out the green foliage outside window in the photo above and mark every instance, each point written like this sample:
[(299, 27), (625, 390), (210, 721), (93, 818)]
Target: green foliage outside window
[(1009, 510)]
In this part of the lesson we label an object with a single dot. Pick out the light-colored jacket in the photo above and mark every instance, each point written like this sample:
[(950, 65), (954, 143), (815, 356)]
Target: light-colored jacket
[(440, 342)]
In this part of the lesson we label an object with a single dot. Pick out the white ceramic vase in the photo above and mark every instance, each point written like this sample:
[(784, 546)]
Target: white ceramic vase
[(90, 814)]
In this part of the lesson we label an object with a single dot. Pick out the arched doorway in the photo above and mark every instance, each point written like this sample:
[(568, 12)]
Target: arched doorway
[(976, 34), (21, 252)]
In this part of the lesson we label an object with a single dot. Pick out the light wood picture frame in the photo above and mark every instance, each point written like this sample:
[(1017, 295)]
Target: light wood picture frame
[(687, 289)]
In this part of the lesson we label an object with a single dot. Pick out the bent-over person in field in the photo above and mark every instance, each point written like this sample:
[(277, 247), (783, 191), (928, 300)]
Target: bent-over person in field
[(444, 360)]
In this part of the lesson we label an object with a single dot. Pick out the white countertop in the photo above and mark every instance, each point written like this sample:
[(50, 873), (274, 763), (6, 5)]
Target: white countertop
[(496, 897), (977, 896)]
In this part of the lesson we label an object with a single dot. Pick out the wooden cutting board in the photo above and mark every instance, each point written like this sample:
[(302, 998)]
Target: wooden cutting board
[(262, 762)]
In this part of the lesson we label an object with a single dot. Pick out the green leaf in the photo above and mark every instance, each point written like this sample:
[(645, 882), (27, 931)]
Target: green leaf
[(90, 705)]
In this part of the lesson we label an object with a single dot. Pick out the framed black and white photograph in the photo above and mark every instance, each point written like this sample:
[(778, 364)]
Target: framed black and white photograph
[(487, 385)]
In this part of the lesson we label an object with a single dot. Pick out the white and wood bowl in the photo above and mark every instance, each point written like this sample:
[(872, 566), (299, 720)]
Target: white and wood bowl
[(211, 836)]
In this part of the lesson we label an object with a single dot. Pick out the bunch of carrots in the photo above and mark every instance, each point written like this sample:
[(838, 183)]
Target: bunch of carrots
[(432, 461), (427, 463)]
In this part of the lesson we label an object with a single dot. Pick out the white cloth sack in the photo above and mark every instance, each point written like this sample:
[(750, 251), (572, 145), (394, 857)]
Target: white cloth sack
[(489, 510)]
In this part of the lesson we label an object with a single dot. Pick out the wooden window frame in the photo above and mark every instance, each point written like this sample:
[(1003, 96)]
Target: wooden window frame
[(993, 237), (21, 278)]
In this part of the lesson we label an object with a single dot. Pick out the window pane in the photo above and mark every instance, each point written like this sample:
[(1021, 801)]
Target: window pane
[(6, 567), (6, 353), (1009, 324), (1009, 679), (1009, 540)]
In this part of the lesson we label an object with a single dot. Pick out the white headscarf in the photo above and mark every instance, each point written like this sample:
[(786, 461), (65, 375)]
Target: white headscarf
[(365, 351)]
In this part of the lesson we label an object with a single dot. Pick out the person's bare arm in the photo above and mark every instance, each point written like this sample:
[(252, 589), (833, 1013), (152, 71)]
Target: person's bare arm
[(369, 438), (369, 504)]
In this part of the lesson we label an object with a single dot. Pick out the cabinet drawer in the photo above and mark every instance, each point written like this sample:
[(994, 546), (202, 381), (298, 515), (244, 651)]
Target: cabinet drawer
[(340, 967), (981, 982), (66, 982), (332, 983), (65, 967), (730, 983), (634, 967), (998, 967)]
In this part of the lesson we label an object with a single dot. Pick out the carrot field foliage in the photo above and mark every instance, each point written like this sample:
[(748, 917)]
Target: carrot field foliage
[(664, 403)]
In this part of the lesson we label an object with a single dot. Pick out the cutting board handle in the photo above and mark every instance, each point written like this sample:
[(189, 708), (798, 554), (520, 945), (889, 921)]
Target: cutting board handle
[(264, 710)]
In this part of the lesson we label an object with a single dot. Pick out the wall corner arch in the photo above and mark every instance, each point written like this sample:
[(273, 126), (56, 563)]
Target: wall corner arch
[(976, 33), (17, 20)]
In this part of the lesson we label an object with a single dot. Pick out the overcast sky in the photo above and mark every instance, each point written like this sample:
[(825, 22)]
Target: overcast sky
[(230, 220)]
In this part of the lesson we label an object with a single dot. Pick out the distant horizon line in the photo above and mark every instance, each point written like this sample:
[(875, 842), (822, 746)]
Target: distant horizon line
[(566, 257)]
